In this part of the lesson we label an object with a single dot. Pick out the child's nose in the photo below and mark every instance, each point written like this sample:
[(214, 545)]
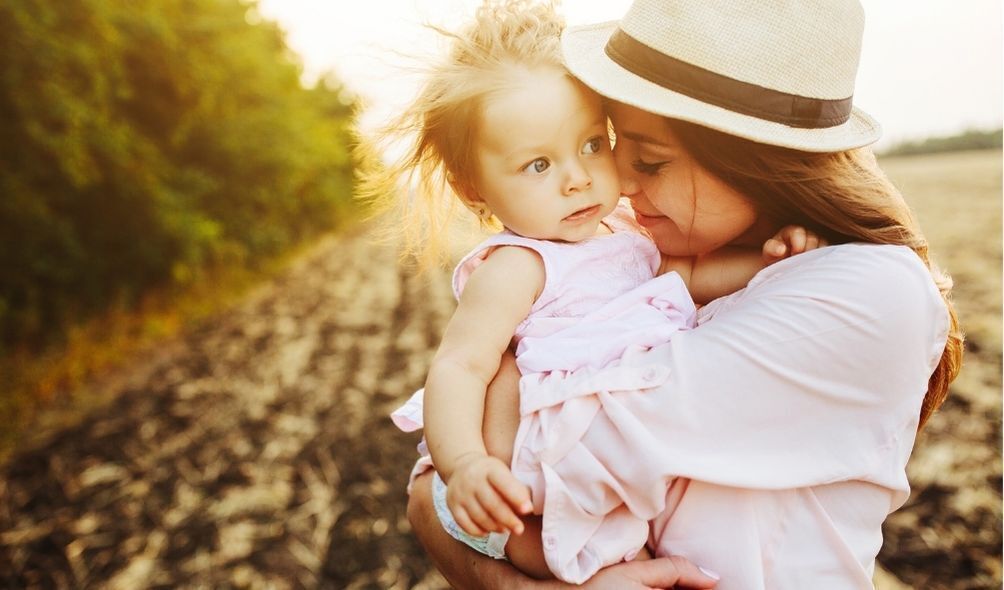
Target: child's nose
[(578, 180)]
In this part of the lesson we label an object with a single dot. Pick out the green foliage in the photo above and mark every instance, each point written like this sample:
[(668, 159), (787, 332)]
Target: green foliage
[(973, 139), (144, 141)]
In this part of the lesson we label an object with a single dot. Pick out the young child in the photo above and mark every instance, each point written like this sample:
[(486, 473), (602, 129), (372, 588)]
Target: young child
[(571, 281)]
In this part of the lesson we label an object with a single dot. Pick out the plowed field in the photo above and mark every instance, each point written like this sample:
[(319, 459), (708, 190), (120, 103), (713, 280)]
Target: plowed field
[(256, 451)]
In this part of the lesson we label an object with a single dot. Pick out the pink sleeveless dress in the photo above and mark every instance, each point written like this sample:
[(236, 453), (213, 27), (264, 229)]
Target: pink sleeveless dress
[(601, 300)]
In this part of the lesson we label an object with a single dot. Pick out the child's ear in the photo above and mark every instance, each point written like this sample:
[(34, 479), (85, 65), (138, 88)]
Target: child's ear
[(471, 199), (479, 208)]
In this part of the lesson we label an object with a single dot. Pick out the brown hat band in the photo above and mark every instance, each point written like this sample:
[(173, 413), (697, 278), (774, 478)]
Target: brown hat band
[(729, 93)]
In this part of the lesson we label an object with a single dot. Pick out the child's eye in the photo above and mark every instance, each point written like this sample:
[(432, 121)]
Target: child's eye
[(649, 168), (537, 166), (593, 146)]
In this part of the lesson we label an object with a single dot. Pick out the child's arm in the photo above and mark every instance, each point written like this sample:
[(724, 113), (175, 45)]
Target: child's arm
[(729, 269), (482, 494)]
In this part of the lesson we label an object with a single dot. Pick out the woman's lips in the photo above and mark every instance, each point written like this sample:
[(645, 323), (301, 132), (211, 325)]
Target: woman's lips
[(583, 213)]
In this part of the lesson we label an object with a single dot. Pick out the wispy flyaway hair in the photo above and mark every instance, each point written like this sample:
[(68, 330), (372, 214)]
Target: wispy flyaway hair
[(419, 191)]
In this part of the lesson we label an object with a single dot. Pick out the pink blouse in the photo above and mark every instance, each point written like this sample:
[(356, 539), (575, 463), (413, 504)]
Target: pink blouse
[(784, 421), (787, 418)]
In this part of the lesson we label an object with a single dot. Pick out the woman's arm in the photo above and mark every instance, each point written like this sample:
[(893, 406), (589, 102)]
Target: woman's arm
[(482, 494), (814, 375)]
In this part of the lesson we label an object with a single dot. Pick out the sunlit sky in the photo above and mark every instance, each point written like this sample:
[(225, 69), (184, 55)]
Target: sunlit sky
[(929, 67)]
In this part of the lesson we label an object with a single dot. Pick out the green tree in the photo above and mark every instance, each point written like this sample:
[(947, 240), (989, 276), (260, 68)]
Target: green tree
[(142, 141)]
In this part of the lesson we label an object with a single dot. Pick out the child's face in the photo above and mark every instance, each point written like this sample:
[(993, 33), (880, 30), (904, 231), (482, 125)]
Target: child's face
[(544, 165)]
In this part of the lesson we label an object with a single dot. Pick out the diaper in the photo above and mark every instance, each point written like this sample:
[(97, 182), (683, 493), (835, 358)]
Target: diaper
[(492, 544)]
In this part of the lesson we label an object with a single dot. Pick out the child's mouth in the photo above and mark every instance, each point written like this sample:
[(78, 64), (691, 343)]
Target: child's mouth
[(583, 213)]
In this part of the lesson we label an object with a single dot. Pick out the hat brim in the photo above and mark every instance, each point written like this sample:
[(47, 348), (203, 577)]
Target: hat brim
[(585, 58)]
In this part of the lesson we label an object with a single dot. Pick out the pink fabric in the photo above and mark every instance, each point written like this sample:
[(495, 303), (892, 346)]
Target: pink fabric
[(775, 439), (600, 298), (770, 442), (594, 276)]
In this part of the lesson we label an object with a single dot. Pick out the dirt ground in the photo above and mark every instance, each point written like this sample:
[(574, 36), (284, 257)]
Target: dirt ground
[(257, 452)]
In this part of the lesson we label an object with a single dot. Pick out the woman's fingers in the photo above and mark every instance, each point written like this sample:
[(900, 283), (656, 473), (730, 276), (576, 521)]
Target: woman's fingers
[(667, 572), (691, 575), (663, 572)]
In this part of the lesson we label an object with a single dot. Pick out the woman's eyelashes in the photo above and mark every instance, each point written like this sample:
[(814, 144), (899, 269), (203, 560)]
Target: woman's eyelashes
[(649, 168)]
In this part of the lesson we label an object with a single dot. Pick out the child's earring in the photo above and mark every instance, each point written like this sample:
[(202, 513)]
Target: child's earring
[(482, 211)]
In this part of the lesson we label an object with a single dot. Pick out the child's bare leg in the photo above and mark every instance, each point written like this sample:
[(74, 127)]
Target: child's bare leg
[(501, 421)]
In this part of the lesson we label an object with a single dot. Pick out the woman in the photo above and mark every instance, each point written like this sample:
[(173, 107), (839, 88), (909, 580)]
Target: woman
[(792, 408)]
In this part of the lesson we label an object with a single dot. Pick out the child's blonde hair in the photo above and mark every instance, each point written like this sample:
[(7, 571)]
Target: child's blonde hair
[(424, 185)]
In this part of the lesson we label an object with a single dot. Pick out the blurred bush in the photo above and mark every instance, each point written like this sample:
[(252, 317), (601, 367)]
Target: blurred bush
[(971, 139), (143, 142)]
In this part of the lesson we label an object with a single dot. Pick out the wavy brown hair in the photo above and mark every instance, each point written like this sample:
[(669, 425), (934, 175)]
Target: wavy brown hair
[(842, 196)]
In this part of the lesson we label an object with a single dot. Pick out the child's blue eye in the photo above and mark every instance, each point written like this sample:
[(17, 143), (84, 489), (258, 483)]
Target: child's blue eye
[(592, 146), (537, 166)]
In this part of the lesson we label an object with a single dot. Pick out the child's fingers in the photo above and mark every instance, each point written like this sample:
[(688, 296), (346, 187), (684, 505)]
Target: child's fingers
[(797, 237), (464, 520), (480, 517), (774, 248), (811, 242), (515, 492), (497, 508)]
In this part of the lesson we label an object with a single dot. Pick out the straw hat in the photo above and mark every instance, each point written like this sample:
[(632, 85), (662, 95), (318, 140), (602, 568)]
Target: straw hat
[(774, 71)]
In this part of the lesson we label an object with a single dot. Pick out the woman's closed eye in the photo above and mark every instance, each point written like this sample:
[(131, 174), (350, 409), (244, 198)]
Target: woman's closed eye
[(649, 168), (536, 166)]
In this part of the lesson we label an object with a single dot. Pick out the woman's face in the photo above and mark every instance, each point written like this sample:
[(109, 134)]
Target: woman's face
[(686, 209)]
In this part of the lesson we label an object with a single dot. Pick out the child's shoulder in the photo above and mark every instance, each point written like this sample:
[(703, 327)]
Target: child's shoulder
[(506, 255), (507, 248)]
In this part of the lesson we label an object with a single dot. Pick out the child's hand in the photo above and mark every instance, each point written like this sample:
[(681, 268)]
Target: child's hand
[(789, 241), (484, 496)]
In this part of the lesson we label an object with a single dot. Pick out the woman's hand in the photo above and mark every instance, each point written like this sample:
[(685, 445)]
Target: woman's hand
[(663, 572), (483, 495), (789, 241)]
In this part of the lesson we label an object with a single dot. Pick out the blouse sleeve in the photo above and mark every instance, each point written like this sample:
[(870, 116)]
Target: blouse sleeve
[(813, 374)]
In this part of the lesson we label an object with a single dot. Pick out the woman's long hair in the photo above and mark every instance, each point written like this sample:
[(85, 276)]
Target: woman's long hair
[(842, 196)]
